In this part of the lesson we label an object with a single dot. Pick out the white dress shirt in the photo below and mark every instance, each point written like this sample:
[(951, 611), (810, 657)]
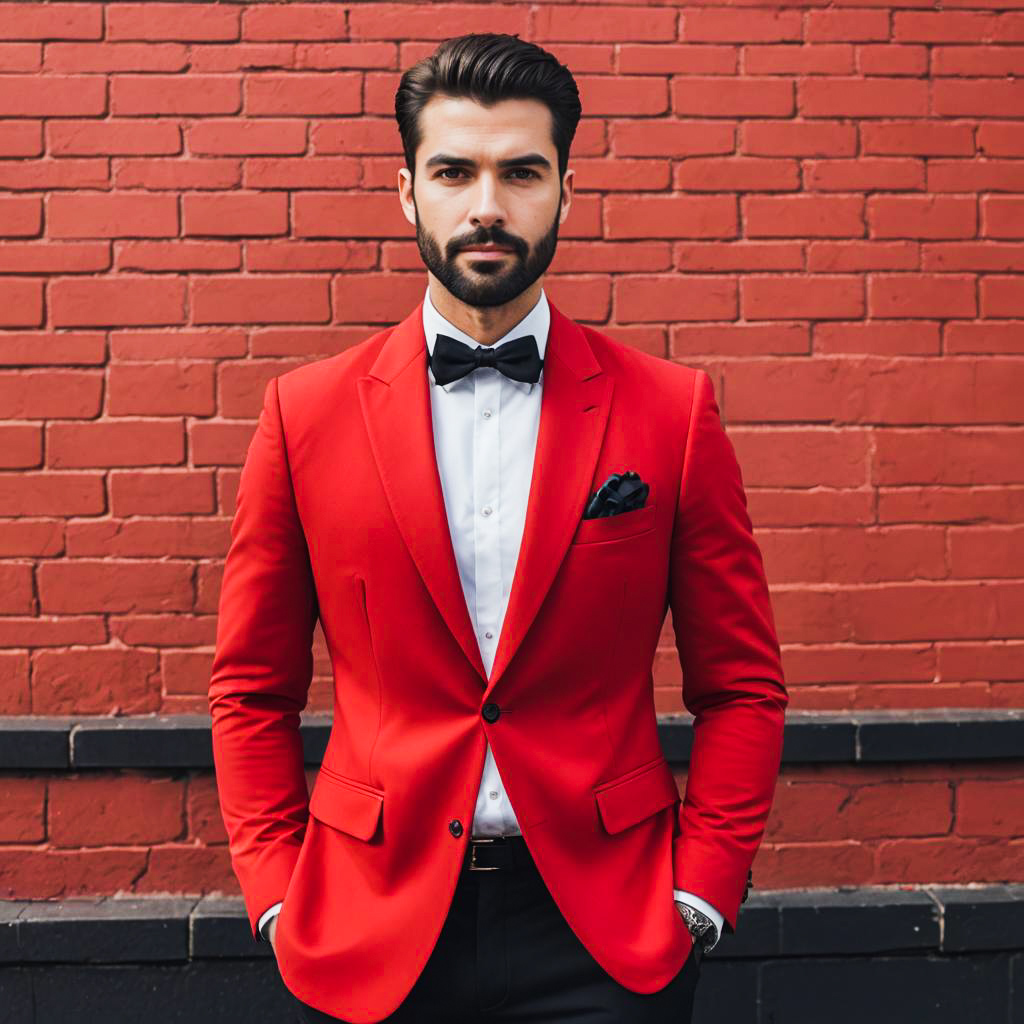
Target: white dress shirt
[(485, 436)]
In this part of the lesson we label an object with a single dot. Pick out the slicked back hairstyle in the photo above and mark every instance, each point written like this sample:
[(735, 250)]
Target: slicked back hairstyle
[(487, 67)]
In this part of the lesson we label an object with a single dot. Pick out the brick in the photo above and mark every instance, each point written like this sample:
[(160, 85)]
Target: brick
[(38, 349), (657, 297), (366, 298), (438, 21), (304, 94), (21, 302), (21, 447), (21, 138), (336, 257), (50, 21), (113, 138), (21, 820), (803, 216), (183, 256), (175, 94), (242, 57), (152, 538), (356, 215), (922, 216), (98, 681), (341, 56), (145, 346), (271, 299), (847, 26), (921, 295), (187, 672), (164, 492), (109, 586), (108, 809), (45, 394), (47, 494), (302, 172), (247, 138), (669, 217), (49, 174), (52, 96), (172, 175), (830, 297), (356, 135), (738, 97), (185, 22), (126, 443), (117, 302), (863, 97), (42, 872), (257, 214), (742, 26), (83, 215), (16, 589), (107, 58), (20, 57), (15, 693), (986, 551), (20, 216), (592, 24), (161, 389), (294, 21), (46, 257)]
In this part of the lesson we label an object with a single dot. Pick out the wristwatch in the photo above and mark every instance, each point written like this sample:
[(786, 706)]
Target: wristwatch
[(702, 928)]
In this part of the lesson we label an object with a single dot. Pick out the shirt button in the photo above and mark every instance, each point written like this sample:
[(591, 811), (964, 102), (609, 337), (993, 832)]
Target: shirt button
[(493, 794), (488, 634), (486, 414), (487, 510)]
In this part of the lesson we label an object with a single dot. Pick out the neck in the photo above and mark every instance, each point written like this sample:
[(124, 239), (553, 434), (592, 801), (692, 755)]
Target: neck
[(485, 324)]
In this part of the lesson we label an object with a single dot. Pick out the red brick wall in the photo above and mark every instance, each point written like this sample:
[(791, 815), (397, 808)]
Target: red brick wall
[(97, 833), (823, 208)]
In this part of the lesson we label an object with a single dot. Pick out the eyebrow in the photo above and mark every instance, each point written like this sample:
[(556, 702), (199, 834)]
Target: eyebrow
[(526, 160)]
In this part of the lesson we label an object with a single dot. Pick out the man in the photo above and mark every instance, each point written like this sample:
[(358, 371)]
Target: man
[(490, 509)]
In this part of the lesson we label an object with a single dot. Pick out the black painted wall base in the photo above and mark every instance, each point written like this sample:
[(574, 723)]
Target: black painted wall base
[(975, 989), (934, 955)]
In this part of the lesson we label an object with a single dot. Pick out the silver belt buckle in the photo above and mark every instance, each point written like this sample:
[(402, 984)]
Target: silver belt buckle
[(473, 866)]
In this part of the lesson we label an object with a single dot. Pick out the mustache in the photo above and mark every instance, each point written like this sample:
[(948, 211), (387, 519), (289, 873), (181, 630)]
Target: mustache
[(494, 237)]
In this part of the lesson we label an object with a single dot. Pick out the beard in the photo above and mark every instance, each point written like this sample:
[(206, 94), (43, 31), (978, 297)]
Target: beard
[(492, 282)]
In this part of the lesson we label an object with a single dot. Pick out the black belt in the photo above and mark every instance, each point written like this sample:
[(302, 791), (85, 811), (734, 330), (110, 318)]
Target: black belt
[(489, 853)]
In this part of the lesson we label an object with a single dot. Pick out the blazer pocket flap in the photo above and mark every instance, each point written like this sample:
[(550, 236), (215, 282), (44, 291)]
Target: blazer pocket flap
[(350, 806), (629, 798)]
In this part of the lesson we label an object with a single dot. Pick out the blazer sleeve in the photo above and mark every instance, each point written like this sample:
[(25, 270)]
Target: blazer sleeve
[(732, 672), (262, 670)]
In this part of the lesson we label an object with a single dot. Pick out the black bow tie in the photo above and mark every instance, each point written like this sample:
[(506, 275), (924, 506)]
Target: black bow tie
[(519, 359)]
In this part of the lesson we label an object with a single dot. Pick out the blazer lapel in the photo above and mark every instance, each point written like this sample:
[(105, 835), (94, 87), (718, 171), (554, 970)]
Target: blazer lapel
[(396, 408), (575, 403)]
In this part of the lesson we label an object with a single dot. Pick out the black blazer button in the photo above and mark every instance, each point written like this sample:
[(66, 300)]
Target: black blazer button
[(455, 827), (492, 712)]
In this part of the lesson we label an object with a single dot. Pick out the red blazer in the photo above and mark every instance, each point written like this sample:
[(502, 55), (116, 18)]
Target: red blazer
[(340, 515)]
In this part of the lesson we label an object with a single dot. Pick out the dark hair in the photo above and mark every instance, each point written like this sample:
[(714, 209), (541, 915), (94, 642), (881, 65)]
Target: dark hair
[(488, 67)]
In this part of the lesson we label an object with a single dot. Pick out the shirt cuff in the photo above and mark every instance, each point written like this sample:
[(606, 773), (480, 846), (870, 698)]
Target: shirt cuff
[(683, 896), (268, 915)]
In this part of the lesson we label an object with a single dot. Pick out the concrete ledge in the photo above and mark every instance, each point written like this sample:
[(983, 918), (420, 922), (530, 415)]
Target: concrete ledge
[(772, 923), (945, 955), (184, 741)]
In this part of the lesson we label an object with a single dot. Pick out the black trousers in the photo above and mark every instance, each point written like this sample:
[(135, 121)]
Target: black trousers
[(506, 953)]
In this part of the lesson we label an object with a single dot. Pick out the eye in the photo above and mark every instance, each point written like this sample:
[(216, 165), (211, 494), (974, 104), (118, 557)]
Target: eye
[(517, 170)]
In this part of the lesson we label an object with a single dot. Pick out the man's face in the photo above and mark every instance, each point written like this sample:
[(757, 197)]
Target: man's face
[(486, 176)]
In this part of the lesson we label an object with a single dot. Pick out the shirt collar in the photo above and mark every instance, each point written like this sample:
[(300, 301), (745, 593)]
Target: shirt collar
[(536, 322)]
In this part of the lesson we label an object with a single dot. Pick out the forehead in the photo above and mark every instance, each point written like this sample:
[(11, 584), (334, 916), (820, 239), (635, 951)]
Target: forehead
[(462, 126)]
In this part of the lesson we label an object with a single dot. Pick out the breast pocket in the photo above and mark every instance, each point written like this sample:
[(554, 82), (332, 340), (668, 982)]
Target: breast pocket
[(619, 527)]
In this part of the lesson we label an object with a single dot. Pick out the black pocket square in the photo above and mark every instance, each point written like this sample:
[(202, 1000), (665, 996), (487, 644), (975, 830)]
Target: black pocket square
[(621, 492)]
